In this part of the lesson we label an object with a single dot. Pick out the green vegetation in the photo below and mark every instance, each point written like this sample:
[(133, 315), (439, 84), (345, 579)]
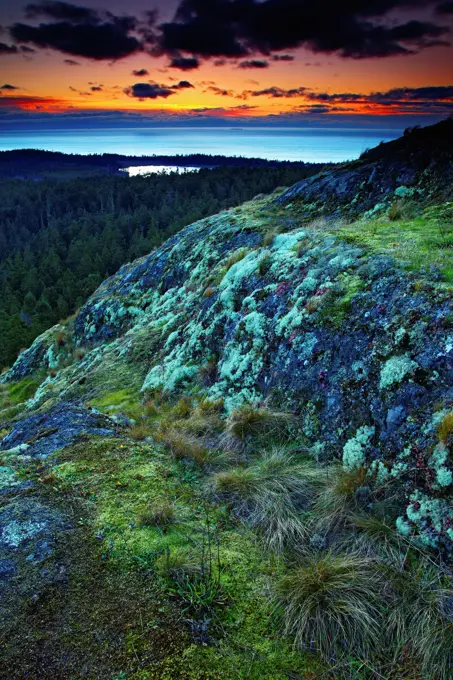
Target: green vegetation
[(273, 500), (245, 563), (331, 603), (60, 240), (422, 242), (13, 395)]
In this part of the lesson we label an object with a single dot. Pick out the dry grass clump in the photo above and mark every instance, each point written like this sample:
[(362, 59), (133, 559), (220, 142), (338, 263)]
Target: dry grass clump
[(140, 431), (331, 604), (210, 406), (182, 408), (234, 258), (272, 495), (201, 422), (445, 431), (248, 421), (202, 419), (159, 515), (184, 447), (151, 408)]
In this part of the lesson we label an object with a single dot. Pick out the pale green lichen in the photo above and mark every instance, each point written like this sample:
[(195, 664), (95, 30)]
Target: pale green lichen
[(395, 370), (354, 451), (407, 192), (431, 517), (439, 461), (403, 527), (8, 477), (15, 532)]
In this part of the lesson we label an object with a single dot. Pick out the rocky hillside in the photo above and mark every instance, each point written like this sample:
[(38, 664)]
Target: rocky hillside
[(416, 166), (334, 340)]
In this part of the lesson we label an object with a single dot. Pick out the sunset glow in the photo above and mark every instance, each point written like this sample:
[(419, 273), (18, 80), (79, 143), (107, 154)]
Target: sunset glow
[(155, 61)]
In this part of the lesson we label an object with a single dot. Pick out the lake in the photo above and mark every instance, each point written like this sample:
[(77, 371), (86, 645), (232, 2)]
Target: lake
[(135, 170), (293, 144)]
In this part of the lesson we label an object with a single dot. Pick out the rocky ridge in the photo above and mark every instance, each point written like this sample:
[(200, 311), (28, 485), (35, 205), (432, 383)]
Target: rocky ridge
[(258, 306)]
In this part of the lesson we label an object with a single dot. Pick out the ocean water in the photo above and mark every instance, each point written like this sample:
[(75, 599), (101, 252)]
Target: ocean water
[(294, 144)]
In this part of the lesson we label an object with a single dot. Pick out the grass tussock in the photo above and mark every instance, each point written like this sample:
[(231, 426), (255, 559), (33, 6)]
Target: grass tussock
[(140, 431), (247, 422), (184, 447), (160, 515), (272, 495), (233, 259), (177, 563), (331, 604), (420, 620), (348, 586), (345, 494), (377, 536)]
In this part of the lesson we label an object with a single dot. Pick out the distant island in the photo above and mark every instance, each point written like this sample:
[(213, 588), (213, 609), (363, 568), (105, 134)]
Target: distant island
[(38, 164)]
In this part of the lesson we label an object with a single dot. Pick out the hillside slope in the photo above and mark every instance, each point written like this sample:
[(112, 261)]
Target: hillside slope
[(249, 330), (417, 166)]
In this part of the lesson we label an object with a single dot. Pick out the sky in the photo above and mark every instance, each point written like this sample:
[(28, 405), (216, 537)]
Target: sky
[(279, 62)]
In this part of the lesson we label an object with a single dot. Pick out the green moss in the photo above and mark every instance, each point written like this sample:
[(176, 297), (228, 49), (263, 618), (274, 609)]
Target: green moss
[(18, 392), (117, 480), (337, 302), (421, 242), (123, 401)]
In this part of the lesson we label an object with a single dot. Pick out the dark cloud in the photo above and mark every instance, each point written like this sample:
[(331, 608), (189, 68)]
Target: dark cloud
[(182, 85), (235, 29), (426, 94), (400, 99), (396, 96), (7, 86), (238, 28), (156, 91), (445, 8), (96, 88), (71, 62), (203, 27), (62, 11), (185, 63), (149, 91), (8, 49), (16, 102), (220, 91), (140, 72), (78, 31), (26, 49), (282, 57), (276, 93), (253, 63)]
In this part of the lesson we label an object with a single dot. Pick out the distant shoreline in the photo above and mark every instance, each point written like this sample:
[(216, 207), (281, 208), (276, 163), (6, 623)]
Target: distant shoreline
[(38, 164)]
